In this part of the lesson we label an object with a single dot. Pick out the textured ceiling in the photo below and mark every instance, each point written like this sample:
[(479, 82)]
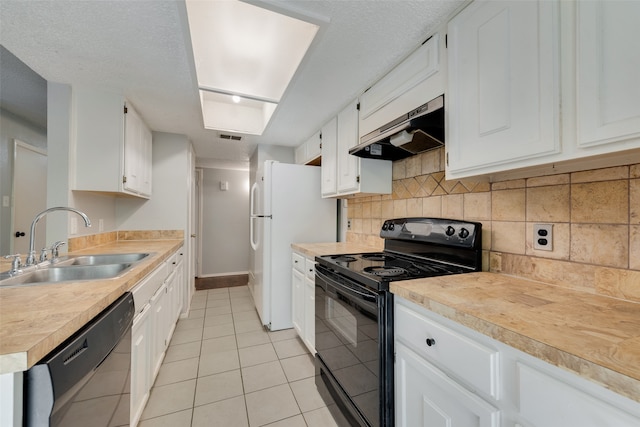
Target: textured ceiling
[(142, 49)]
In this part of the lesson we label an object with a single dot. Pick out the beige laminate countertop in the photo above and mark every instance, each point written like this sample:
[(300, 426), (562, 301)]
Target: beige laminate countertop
[(318, 249), (36, 319), (593, 336)]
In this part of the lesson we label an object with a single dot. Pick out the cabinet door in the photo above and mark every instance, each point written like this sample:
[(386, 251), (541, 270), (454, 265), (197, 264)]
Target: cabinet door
[(503, 100), (158, 329), (348, 165), (608, 71), (309, 314), (297, 301), (314, 147), (426, 396), (549, 402), (140, 363), (329, 159)]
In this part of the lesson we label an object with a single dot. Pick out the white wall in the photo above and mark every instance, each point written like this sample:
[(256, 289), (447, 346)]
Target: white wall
[(225, 223), (168, 207)]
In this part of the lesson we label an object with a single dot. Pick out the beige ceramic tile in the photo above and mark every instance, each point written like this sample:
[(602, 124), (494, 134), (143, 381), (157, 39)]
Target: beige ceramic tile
[(170, 398), (477, 206), (298, 367), (600, 244), (486, 235), (376, 209), (399, 208), (634, 248), (399, 170), (608, 174), (176, 419), (432, 161), (634, 171), (432, 206), (263, 376), (600, 202), (386, 209), (618, 283), (214, 388), (366, 210), (413, 166), (414, 207), (508, 185), (508, 237), (270, 405), (229, 412), (549, 204), (453, 206), (561, 242), (508, 205), (634, 201), (543, 181)]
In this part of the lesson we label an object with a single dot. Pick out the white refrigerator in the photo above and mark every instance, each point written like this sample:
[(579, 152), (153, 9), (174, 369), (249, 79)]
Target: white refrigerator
[(286, 207)]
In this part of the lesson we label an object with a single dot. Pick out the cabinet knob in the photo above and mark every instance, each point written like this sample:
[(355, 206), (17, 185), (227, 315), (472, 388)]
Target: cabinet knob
[(431, 342)]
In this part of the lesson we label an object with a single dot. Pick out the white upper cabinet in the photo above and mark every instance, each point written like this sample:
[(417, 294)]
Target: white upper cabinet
[(538, 87), (608, 73), (342, 173), (112, 147), (413, 82), (503, 97), (309, 152), (348, 165)]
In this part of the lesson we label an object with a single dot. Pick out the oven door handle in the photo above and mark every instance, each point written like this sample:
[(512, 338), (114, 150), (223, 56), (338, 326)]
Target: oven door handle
[(337, 287)]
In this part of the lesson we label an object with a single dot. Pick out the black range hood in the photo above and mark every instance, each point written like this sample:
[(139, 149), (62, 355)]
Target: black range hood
[(415, 132)]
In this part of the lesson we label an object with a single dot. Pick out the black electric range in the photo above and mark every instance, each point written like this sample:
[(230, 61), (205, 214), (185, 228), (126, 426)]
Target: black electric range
[(354, 310)]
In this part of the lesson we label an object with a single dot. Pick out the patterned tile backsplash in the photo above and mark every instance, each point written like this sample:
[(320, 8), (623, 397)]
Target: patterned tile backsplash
[(595, 216)]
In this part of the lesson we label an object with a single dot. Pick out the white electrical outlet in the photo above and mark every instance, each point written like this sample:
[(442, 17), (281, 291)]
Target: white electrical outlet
[(543, 237)]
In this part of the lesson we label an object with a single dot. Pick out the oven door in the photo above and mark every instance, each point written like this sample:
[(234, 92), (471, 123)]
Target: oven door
[(352, 347)]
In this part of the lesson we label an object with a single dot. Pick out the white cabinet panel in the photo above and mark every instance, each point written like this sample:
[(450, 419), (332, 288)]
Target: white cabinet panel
[(329, 138), (297, 300), (140, 367), (608, 71), (348, 165), (503, 99), (427, 397), (548, 402)]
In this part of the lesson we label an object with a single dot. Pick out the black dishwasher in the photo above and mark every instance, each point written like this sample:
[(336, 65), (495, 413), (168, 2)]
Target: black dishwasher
[(85, 380)]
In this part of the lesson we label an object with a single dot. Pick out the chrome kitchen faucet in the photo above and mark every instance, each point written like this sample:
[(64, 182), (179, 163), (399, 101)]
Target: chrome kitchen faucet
[(31, 258)]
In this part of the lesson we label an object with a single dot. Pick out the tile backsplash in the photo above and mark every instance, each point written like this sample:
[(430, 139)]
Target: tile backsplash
[(595, 216)]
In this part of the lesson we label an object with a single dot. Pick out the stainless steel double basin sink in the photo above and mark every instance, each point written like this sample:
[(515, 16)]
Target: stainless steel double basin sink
[(75, 268)]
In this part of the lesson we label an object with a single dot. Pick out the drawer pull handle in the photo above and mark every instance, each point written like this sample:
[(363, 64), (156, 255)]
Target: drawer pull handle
[(431, 341)]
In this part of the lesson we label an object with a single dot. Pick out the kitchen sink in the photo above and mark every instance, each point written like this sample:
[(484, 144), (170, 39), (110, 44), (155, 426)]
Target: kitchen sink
[(75, 268), (107, 258), (67, 274)]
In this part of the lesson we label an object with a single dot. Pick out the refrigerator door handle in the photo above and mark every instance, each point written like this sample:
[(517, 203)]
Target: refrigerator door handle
[(254, 244), (252, 197)]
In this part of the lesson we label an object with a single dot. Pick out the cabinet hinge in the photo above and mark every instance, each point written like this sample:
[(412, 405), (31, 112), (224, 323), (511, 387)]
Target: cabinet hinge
[(447, 159), (125, 109), (358, 179), (446, 40), (320, 136), (358, 106), (321, 145), (124, 179)]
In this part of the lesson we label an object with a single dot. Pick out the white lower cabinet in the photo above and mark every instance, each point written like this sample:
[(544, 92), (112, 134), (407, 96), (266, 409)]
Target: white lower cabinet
[(449, 375), (426, 396), (158, 302), (303, 298)]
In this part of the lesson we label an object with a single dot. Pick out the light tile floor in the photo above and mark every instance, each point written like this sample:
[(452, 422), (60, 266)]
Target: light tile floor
[(223, 369)]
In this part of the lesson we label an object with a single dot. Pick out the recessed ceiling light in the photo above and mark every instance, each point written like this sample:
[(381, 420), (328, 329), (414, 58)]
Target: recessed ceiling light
[(245, 51)]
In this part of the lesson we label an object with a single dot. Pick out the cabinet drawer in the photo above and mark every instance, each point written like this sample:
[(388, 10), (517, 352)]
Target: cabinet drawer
[(310, 268), (148, 286), (468, 360), (297, 261)]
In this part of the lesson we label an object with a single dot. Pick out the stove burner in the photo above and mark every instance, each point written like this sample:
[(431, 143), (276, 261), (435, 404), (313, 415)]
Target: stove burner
[(378, 257), (384, 271), (343, 258)]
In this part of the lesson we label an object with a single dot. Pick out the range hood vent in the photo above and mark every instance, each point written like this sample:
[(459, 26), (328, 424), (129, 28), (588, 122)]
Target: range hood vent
[(415, 132)]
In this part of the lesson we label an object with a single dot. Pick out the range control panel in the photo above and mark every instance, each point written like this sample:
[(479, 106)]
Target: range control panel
[(448, 232)]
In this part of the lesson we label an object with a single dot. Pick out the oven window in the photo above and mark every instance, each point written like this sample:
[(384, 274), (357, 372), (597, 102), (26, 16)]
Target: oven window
[(347, 341)]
